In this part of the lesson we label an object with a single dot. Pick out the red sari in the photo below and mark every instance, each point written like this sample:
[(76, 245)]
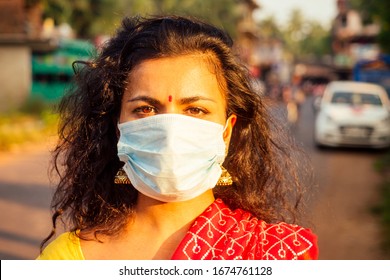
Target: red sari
[(222, 234)]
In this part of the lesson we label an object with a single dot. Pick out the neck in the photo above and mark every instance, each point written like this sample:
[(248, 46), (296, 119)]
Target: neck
[(170, 216)]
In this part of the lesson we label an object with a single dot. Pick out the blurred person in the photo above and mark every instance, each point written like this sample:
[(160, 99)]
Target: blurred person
[(291, 105), (347, 22), (167, 152)]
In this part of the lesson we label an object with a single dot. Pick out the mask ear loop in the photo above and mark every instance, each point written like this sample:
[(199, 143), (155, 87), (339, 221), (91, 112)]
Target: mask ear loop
[(224, 129), (226, 123)]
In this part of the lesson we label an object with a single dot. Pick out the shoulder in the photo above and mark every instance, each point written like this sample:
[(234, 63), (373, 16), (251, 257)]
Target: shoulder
[(65, 247), (288, 241), (266, 240)]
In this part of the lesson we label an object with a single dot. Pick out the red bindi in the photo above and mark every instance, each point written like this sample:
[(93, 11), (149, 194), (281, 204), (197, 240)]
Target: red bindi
[(170, 98)]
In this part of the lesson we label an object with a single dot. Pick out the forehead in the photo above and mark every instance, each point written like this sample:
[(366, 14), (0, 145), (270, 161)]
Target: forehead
[(197, 70), (206, 59)]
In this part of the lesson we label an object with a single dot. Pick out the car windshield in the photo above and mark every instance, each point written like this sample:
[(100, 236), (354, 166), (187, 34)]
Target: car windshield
[(354, 98)]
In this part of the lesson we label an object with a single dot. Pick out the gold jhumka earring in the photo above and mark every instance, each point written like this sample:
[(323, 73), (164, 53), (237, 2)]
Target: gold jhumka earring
[(121, 177), (226, 179)]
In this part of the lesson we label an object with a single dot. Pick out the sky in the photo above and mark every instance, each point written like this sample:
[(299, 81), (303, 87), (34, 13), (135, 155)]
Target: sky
[(321, 10)]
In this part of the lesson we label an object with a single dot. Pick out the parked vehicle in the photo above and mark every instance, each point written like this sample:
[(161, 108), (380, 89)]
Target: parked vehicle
[(374, 71), (353, 114)]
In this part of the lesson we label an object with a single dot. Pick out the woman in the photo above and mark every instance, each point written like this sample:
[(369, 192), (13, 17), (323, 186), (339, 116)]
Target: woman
[(143, 138)]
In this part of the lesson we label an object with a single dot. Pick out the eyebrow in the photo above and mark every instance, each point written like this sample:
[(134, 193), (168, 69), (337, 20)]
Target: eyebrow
[(189, 100), (147, 99), (183, 101)]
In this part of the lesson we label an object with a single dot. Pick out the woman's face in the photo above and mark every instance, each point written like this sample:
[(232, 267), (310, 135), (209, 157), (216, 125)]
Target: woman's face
[(176, 85)]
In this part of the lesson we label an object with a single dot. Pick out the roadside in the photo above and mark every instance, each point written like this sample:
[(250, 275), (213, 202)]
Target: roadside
[(25, 195), (26, 138), (382, 209), (32, 125)]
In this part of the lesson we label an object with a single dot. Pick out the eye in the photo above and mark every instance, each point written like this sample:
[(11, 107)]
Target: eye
[(145, 111), (197, 111)]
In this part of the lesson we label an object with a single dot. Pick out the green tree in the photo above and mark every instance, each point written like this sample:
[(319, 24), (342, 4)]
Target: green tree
[(92, 17), (305, 39), (222, 13), (269, 29), (316, 43), (87, 17)]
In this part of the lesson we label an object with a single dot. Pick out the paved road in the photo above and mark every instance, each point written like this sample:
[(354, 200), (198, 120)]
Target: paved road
[(340, 209), (25, 195)]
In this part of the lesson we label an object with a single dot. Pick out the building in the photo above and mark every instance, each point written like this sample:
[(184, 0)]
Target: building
[(15, 73), (352, 41), (20, 34)]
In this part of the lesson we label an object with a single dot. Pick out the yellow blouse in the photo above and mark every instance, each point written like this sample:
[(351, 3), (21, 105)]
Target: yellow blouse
[(64, 247)]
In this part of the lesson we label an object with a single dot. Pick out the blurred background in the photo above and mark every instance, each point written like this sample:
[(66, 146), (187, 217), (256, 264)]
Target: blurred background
[(293, 49)]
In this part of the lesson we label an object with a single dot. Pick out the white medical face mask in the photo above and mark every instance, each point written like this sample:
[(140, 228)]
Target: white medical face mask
[(171, 157)]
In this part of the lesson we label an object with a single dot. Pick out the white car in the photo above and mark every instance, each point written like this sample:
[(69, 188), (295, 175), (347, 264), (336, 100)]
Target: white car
[(353, 114)]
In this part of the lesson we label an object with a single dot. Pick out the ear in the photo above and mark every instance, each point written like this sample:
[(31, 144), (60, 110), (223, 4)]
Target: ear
[(230, 122)]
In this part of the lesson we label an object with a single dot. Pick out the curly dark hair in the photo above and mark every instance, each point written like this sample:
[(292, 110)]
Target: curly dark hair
[(260, 157)]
